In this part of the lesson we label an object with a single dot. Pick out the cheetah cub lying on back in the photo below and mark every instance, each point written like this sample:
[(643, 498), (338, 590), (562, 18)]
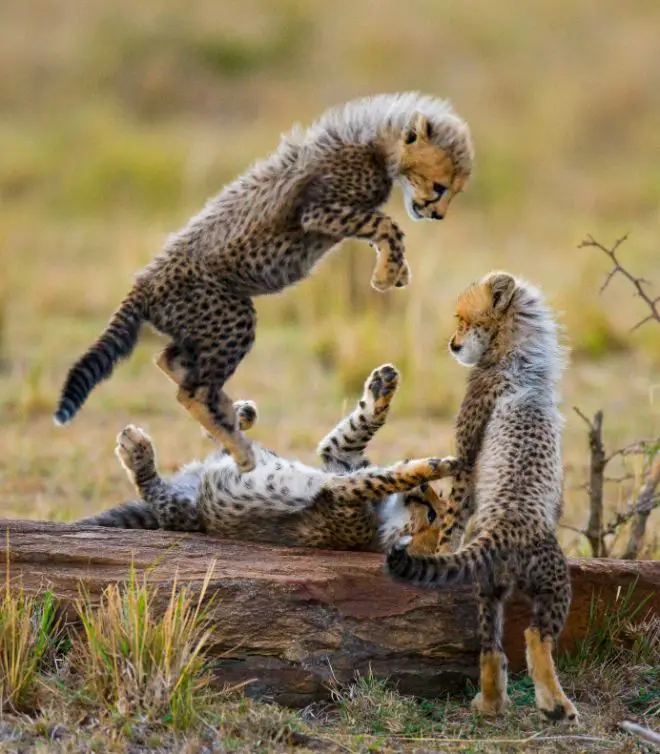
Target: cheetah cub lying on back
[(266, 230), (349, 504), (508, 435)]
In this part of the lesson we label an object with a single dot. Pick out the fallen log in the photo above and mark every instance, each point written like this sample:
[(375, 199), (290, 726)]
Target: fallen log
[(294, 619)]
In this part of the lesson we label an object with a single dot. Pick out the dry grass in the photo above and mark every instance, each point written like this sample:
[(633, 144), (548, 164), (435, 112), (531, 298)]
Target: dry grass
[(119, 119)]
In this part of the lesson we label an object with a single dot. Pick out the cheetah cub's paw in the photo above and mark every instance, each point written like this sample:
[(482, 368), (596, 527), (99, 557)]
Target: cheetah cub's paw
[(134, 448), (444, 467), (395, 278), (246, 414), (379, 389), (562, 710), (389, 273), (451, 465), (490, 707), (405, 276)]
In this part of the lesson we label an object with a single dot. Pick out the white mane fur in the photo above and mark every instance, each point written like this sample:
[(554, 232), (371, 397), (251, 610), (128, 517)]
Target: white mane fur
[(536, 356)]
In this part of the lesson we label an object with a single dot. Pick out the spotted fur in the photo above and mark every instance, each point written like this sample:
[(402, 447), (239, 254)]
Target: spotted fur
[(348, 504), (508, 434), (267, 230)]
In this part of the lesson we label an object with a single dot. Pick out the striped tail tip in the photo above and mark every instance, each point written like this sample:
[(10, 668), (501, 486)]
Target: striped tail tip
[(66, 411)]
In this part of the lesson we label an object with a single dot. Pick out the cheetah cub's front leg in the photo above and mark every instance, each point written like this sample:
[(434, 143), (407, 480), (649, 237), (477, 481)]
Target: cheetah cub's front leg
[(382, 233), (379, 389), (345, 446), (136, 454)]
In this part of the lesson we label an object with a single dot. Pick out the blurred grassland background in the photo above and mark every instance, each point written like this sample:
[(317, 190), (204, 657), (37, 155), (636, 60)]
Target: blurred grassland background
[(118, 119)]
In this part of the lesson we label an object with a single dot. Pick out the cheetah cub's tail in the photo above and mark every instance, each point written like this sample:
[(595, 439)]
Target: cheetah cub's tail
[(117, 342), (134, 515), (453, 569)]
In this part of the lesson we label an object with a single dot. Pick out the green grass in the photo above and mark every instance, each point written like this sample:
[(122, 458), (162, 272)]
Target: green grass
[(29, 630), (138, 663), (608, 627)]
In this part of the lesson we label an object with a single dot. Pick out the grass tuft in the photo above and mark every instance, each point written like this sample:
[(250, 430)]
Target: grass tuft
[(613, 631), (135, 663), (29, 629), (369, 706)]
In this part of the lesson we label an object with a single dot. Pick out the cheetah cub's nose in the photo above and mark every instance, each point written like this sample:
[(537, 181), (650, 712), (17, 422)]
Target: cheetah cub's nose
[(454, 346)]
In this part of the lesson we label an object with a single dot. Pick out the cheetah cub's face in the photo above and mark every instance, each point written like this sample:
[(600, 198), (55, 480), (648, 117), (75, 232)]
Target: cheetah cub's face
[(426, 509), (484, 319), (427, 173)]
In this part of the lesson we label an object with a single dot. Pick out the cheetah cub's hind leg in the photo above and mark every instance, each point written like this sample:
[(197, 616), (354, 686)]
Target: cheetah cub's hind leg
[(492, 698), (344, 447), (551, 599), (174, 510), (211, 407)]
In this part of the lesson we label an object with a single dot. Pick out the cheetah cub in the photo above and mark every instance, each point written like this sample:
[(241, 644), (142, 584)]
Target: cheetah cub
[(508, 435), (347, 505), (266, 230)]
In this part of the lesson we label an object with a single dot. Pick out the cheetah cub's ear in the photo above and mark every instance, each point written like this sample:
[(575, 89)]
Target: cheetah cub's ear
[(419, 127), (502, 287)]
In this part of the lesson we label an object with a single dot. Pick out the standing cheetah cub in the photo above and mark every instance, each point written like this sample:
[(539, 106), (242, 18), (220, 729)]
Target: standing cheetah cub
[(508, 435), (266, 230), (347, 505)]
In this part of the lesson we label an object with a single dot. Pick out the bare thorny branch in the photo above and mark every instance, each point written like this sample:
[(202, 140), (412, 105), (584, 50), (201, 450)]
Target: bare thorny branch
[(618, 269), (647, 500), (596, 482)]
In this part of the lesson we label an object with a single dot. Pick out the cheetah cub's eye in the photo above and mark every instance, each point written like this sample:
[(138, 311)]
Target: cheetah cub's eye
[(431, 515), (439, 189), (411, 137)]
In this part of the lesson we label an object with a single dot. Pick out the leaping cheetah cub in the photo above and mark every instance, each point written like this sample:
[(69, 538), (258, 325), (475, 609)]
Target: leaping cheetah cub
[(266, 230), (508, 435), (349, 504)]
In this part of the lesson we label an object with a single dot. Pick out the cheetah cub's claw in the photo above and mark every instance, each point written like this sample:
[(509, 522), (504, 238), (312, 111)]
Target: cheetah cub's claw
[(379, 389), (134, 448)]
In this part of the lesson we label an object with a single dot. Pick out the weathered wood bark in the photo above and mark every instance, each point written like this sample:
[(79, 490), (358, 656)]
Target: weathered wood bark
[(292, 619)]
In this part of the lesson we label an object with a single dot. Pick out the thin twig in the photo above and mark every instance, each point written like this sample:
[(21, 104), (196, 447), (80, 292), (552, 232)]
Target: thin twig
[(597, 463), (646, 501), (534, 738), (639, 447), (633, 510), (582, 532), (618, 479), (646, 734), (637, 282)]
